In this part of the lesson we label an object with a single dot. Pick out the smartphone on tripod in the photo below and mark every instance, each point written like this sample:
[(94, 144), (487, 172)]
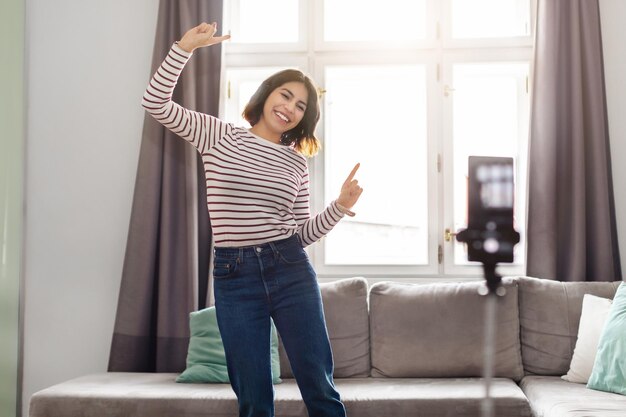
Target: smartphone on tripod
[(490, 235), (490, 239)]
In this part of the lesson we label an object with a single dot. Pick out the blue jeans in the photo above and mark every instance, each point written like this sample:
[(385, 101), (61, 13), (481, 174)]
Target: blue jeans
[(275, 279)]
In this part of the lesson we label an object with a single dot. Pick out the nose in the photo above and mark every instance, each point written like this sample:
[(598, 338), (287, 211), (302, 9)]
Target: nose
[(291, 106)]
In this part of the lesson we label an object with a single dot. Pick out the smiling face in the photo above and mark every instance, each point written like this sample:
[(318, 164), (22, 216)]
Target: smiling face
[(284, 108)]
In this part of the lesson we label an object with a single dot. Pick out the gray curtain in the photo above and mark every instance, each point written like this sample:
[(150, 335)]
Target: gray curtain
[(166, 267), (572, 232)]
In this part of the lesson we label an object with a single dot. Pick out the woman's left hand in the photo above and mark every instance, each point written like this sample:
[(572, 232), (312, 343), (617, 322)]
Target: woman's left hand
[(350, 190)]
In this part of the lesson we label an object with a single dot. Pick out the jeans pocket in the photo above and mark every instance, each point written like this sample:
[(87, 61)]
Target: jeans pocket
[(292, 254), (224, 268)]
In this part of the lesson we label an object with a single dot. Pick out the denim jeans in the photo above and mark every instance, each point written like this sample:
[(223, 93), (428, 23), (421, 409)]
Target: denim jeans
[(275, 279)]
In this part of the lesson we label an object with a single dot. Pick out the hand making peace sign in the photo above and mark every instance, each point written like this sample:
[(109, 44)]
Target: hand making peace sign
[(350, 190)]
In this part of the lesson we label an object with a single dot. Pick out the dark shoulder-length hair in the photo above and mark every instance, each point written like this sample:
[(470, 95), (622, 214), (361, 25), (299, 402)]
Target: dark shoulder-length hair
[(302, 136)]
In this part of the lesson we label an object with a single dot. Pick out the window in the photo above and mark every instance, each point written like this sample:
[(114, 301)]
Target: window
[(411, 90), (400, 230), (490, 19), (489, 117), (398, 20)]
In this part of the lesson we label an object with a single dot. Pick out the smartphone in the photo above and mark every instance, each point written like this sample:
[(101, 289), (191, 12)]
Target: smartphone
[(490, 236)]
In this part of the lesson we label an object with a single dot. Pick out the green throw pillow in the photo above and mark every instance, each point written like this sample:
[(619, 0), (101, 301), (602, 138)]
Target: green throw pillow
[(609, 368), (206, 361)]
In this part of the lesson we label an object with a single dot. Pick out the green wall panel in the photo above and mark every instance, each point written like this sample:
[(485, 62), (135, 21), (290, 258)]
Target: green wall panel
[(12, 131)]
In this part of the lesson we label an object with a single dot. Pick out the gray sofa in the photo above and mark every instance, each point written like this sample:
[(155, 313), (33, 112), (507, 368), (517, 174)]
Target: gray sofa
[(400, 350)]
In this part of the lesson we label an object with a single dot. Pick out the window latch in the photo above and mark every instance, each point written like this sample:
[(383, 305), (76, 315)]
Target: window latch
[(448, 235)]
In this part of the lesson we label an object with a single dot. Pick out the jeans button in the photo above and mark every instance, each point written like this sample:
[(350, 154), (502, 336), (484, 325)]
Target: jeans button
[(259, 250)]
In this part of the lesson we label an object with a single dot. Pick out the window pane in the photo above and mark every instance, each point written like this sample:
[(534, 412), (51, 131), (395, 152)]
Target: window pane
[(267, 21), (490, 18), (376, 115), (490, 118), (371, 20)]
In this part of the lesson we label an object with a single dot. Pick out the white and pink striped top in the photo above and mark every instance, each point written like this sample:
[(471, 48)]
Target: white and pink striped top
[(257, 191)]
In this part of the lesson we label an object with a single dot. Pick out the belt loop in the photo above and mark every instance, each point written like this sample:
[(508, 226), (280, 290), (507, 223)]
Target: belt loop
[(240, 256), (273, 246)]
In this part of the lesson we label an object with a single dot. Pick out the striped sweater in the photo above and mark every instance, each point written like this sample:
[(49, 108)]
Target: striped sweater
[(257, 190)]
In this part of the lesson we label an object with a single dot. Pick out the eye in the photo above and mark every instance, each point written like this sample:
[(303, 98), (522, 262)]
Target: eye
[(285, 96), (302, 108)]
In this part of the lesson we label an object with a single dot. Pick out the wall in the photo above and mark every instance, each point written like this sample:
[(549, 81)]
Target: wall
[(613, 15), (88, 63), (12, 128)]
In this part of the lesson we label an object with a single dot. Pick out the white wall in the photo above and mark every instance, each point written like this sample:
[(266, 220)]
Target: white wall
[(88, 62), (613, 15)]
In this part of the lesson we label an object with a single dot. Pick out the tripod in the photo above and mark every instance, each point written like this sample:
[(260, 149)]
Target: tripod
[(492, 291), (490, 238)]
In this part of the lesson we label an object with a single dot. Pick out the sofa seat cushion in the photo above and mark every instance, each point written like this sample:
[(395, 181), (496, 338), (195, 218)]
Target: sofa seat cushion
[(158, 395), (550, 396), (429, 397)]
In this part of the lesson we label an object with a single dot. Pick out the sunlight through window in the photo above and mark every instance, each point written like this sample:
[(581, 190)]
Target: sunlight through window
[(376, 115), (370, 20), (490, 18), (267, 21)]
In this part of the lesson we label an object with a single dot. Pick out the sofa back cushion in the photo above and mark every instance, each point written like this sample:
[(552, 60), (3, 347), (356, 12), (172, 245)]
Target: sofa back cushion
[(345, 310), (437, 330), (549, 317)]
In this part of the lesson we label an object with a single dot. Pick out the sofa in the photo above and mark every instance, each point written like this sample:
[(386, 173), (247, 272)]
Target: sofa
[(400, 350)]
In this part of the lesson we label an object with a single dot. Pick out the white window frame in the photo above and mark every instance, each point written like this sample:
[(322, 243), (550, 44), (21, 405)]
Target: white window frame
[(437, 52)]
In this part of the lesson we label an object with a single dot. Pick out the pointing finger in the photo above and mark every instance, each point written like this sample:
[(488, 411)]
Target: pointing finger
[(354, 170)]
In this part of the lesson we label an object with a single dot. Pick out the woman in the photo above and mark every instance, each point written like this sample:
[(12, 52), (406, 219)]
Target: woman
[(258, 201)]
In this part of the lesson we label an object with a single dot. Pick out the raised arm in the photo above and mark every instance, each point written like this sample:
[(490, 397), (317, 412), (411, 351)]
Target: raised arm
[(200, 129)]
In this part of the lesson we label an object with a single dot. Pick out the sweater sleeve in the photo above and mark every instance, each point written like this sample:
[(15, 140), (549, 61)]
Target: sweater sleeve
[(312, 229), (201, 130)]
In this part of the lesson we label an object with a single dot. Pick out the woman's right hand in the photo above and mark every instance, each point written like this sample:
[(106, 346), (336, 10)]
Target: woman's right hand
[(199, 36)]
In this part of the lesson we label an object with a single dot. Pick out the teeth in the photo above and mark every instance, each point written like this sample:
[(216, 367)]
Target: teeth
[(282, 116)]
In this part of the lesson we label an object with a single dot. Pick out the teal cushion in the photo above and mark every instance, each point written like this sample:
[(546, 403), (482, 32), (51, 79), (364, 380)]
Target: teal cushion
[(609, 368), (206, 361)]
